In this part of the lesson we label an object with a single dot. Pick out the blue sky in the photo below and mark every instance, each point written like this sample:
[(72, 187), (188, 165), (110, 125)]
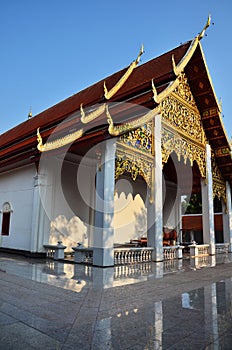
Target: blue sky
[(51, 49)]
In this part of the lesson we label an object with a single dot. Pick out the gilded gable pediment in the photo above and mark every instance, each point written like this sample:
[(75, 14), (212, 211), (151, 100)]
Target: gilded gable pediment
[(180, 112)]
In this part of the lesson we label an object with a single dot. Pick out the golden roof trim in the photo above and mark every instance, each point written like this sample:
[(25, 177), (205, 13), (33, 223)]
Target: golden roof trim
[(170, 88), (92, 115), (123, 79), (63, 141), (177, 69), (116, 130)]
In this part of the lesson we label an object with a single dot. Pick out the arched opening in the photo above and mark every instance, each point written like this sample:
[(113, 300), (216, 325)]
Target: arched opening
[(130, 209), (6, 214), (179, 180), (218, 220)]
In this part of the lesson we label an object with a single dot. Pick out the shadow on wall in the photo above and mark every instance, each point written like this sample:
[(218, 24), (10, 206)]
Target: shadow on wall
[(130, 218), (70, 232)]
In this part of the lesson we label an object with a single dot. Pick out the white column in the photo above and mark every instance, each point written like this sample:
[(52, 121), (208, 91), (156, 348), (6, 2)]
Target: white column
[(103, 240), (155, 208), (207, 205), (40, 222), (227, 218)]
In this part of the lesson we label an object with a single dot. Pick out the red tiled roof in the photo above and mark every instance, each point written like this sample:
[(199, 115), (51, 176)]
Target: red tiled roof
[(160, 69)]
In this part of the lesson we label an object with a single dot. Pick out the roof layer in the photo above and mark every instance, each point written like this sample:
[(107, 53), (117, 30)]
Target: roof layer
[(20, 143)]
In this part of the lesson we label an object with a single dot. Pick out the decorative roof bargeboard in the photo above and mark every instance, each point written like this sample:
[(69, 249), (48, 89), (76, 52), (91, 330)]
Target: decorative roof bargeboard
[(123, 79), (48, 146), (116, 130), (177, 69)]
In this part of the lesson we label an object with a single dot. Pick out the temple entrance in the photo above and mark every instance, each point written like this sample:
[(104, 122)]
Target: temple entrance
[(130, 210)]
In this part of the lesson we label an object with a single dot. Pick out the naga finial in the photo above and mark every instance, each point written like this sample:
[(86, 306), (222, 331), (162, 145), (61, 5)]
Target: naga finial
[(123, 79), (92, 115), (109, 118), (220, 104), (201, 35), (154, 91), (175, 70), (140, 54), (39, 140)]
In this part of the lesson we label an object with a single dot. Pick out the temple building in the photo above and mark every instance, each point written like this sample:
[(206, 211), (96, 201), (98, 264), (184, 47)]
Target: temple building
[(112, 168)]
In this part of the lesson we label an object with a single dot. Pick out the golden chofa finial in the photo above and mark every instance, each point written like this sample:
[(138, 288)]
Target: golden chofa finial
[(175, 70), (110, 93), (140, 54), (201, 35), (40, 145), (29, 114), (155, 95), (220, 104)]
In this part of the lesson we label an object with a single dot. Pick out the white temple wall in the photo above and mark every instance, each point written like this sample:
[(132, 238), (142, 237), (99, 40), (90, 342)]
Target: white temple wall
[(17, 188), (72, 202)]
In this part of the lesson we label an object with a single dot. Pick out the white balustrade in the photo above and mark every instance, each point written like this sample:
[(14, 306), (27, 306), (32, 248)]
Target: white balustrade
[(199, 249), (55, 251), (222, 248), (132, 255), (173, 252), (83, 254)]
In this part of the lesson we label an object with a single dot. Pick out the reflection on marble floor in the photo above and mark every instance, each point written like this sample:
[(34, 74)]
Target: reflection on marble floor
[(199, 319), (76, 276), (116, 319)]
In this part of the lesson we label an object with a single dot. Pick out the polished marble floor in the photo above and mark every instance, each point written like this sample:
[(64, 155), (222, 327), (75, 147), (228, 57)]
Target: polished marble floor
[(184, 304)]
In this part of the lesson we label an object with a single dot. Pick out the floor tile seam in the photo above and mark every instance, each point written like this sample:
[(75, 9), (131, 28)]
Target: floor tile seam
[(39, 330), (196, 333), (11, 316), (29, 314), (169, 293), (49, 287), (77, 316), (19, 281), (94, 327), (28, 324), (39, 305)]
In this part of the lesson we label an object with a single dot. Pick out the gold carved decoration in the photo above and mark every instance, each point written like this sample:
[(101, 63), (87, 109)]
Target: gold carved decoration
[(159, 97), (92, 115), (139, 139), (184, 92), (171, 142), (182, 119), (136, 165), (179, 110), (215, 170), (134, 154), (219, 190), (219, 186), (48, 146), (223, 151), (116, 130), (123, 79)]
